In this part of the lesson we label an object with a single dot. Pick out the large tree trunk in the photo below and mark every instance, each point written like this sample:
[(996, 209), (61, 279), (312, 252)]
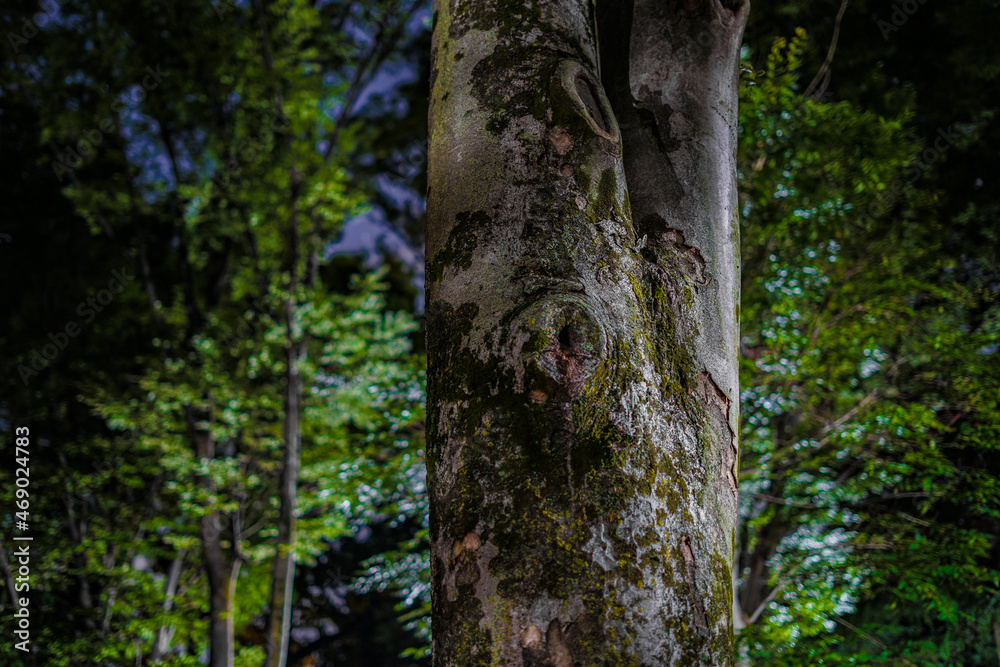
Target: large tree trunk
[(582, 347)]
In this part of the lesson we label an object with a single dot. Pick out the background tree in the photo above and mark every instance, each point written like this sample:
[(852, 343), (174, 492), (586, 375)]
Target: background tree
[(209, 175)]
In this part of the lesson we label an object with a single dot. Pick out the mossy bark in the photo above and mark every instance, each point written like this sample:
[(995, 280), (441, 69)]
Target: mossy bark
[(582, 342)]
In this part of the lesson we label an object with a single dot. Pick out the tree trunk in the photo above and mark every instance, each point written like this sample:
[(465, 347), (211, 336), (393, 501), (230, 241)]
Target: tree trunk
[(582, 333), (165, 633), (8, 579), (283, 574), (279, 621), (220, 569)]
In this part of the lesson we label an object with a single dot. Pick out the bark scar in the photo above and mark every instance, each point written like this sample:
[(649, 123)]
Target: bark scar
[(560, 140), (717, 402), (561, 344), (668, 244), (553, 651), (700, 618)]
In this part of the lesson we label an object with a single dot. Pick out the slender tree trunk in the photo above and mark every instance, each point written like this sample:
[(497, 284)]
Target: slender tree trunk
[(282, 576), (165, 634), (220, 569), (283, 573), (582, 336), (8, 578)]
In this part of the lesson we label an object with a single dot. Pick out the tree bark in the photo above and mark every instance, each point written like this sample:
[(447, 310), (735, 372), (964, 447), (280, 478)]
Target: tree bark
[(165, 633), (220, 569), (279, 621), (582, 332), (283, 574)]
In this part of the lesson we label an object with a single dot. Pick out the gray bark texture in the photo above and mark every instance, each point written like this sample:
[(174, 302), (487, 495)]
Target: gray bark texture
[(582, 326)]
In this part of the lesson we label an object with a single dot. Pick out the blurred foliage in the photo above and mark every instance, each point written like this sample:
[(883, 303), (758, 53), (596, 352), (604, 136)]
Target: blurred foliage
[(870, 380), (208, 154)]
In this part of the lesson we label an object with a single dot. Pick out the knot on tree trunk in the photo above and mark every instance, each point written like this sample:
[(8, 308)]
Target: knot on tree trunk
[(561, 342), (580, 105)]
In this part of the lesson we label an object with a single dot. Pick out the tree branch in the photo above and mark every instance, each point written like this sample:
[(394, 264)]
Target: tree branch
[(824, 71)]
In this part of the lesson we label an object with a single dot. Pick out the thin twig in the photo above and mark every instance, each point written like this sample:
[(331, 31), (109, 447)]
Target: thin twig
[(874, 640), (823, 74), (789, 503)]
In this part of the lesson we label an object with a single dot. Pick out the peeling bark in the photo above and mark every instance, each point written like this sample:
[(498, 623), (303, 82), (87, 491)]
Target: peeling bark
[(582, 331)]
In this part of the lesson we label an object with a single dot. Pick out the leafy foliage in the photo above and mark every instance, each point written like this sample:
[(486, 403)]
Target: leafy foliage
[(869, 391), (211, 151)]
